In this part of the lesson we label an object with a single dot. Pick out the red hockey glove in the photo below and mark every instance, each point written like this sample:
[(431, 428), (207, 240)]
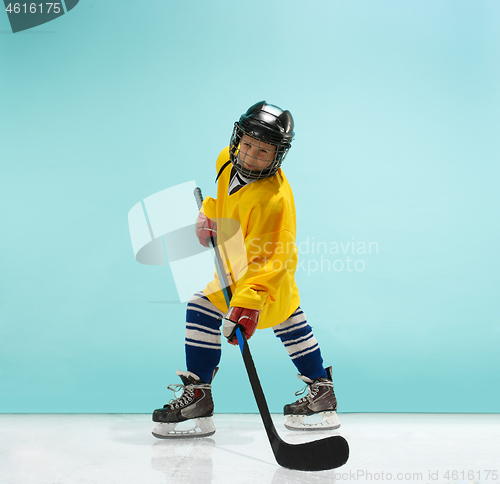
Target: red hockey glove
[(205, 228), (248, 318)]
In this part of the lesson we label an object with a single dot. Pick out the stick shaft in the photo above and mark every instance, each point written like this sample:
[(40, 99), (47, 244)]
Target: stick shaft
[(226, 288), (310, 456), (245, 350)]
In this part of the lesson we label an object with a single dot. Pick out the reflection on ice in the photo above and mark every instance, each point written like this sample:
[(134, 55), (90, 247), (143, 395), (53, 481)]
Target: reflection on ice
[(287, 476), (184, 460), (119, 449)]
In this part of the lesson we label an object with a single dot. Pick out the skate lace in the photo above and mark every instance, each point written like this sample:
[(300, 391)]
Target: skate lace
[(313, 391), (186, 397)]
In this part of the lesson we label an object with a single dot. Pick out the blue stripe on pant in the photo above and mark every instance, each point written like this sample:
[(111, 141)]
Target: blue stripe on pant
[(203, 340)]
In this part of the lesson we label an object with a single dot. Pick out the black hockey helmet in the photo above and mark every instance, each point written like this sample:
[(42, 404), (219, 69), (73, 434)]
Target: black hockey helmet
[(267, 125)]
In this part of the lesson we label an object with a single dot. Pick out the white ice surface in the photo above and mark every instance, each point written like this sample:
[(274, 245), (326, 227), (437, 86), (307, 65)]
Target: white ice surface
[(71, 449)]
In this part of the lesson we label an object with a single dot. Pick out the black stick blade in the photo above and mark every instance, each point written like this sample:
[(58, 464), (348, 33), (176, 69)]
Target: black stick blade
[(318, 455)]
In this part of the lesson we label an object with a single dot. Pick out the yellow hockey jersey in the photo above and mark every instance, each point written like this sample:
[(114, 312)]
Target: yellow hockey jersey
[(256, 230)]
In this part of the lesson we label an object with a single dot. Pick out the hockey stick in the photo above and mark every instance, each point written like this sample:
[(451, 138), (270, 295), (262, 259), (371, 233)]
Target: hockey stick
[(317, 455)]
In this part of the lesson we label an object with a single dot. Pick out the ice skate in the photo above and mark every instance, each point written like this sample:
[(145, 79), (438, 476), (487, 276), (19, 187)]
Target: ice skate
[(195, 407), (315, 411)]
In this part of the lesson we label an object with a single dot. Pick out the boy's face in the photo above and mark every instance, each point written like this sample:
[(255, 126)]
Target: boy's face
[(255, 155)]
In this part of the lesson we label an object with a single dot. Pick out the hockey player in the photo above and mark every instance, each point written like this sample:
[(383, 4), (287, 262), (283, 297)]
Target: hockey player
[(252, 192)]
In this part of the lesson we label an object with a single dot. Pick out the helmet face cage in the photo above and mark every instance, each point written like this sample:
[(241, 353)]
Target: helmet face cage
[(254, 157)]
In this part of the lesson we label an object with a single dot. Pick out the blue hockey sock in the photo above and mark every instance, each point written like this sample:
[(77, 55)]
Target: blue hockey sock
[(301, 345), (203, 349)]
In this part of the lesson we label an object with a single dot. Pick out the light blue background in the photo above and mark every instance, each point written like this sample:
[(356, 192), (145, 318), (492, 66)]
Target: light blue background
[(397, 108)]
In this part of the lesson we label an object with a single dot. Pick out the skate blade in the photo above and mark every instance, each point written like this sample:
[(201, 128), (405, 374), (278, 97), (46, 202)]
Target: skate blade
[(203, 427), (329, 421)]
